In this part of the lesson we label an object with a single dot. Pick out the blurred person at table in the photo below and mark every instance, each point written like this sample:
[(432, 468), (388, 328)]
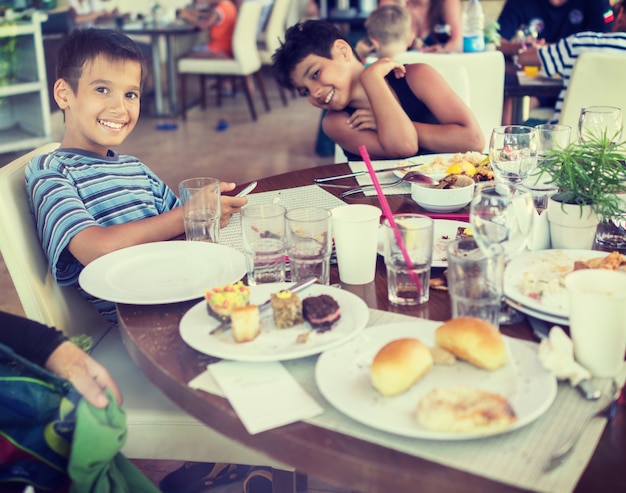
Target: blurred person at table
[(436, 24), (558, 59), (394, 110), (218, 18), (88, 13), (51, 349), (526, 24), (388, 34), (87, 200)]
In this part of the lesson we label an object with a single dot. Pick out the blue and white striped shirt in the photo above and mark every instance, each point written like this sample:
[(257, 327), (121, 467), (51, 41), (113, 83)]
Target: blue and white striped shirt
[(559, 58), (72, 189)]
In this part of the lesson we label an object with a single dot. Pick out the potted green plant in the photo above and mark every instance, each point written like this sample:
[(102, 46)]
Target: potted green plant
[(591, 180)]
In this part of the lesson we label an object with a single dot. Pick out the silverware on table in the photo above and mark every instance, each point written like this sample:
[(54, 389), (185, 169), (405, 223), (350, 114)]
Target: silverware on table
[(364, 172), (410, 177), (226, 323), (562, 451)]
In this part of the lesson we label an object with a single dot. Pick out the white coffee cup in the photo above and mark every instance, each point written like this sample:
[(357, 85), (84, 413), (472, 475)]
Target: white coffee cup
[(355, 230), (597, 301)]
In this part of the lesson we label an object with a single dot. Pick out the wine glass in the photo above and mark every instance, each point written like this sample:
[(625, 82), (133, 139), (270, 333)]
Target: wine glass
[(506, 219), (600, 121), (513, 154)]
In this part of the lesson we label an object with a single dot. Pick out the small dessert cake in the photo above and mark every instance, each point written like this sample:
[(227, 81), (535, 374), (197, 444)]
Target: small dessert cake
[(245, 323), (321, 311), (222, 299), (463, 233), (287, 309)]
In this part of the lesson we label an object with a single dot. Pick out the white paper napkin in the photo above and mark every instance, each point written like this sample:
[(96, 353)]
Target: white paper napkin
[(556, 353), (264, 395)]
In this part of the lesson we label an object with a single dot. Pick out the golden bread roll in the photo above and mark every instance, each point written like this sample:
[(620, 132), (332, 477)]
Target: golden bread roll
[(399, 364), (474, 340), (463, 410)]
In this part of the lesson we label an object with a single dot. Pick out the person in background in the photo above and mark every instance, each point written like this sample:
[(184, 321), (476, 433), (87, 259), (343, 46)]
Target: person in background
[(87, 200), (88, 13), (49, 348), (559, 58), (525, 23), (395, 110), (218, 18), (436, 24), (388, 31)]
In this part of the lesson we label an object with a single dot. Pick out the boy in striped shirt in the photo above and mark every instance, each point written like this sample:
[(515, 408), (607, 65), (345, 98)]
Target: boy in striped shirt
[(88, 200)]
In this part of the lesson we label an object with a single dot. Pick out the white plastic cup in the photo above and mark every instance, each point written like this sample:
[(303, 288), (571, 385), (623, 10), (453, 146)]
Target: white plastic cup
[(597, 305), (200, 200), (355, 230)]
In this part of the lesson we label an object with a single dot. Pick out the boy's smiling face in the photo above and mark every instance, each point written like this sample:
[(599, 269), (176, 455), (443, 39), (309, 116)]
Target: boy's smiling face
[(105, 107), (327, 83)]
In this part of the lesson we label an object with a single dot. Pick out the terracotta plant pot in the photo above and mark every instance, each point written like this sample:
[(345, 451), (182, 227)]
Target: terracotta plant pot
[(569, 228)]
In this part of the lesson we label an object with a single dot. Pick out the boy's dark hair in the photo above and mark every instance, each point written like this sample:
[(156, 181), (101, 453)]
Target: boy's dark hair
[(311, 37), (83, 45)]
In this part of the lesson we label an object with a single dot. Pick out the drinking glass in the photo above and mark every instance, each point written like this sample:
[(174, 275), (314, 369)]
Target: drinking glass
[(504, 218), (600, 121), (513, 153), (550, 137)]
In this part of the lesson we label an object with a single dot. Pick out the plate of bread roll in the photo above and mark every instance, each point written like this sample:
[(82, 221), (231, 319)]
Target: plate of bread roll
[(293, 325), (456, 380)]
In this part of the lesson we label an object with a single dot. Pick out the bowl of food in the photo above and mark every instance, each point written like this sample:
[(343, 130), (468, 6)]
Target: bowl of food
[(451, 194)]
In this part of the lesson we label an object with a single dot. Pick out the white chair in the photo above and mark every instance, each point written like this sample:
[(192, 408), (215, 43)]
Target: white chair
[(594, 82), (157, 428), (455, 75), (273, 35), (485, 73), (245, 64)]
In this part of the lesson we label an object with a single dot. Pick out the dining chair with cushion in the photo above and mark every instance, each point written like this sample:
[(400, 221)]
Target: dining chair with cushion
[(246, 63), (485, 72), (273, 35), (594, 82), (157, 428)]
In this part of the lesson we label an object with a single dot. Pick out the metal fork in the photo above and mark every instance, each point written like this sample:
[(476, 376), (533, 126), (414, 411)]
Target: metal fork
[(364, 188), (562, 451)]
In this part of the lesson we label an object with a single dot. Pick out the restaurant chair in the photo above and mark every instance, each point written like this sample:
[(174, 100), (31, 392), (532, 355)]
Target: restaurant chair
[(273, 35), (455, 75), (595, 81), (485, 73), (246, 63), (157, 428)]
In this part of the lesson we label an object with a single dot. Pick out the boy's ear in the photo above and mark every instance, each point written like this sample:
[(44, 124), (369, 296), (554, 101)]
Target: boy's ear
[(343, 49), (61, 91)]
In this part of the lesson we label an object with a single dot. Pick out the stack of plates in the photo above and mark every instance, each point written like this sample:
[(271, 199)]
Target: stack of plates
[(543, 265)]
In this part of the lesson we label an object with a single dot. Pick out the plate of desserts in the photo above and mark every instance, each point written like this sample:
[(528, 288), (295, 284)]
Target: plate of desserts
[(294, 325)]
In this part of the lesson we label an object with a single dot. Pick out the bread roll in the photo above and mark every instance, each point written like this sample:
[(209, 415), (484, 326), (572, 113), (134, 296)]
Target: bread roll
[(399, 364), (473, 340)]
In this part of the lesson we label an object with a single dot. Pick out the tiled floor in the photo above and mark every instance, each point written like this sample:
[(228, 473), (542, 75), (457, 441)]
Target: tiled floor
[(279, 141)]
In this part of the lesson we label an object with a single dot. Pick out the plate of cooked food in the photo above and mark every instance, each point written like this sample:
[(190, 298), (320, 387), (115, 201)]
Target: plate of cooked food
[(471, 163), (534, 280), (456, 380), (292, 325)]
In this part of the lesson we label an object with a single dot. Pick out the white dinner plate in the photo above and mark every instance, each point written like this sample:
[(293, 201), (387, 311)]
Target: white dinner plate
[(343, 378), (544, 265), (444, 231), (162, 272), (561, 321), (426, 161), (274, 344)]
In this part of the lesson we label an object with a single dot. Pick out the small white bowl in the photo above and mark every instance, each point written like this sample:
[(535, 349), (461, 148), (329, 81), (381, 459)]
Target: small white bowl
[(444, 200)]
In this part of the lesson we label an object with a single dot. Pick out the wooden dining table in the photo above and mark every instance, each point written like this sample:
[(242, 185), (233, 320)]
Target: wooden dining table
[(348, 462)]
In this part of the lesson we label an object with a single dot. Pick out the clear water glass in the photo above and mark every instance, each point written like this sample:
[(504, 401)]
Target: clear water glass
[(513, 153), (600, 121)]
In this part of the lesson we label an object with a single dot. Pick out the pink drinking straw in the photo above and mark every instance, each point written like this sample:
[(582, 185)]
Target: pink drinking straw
[(388, 214)]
